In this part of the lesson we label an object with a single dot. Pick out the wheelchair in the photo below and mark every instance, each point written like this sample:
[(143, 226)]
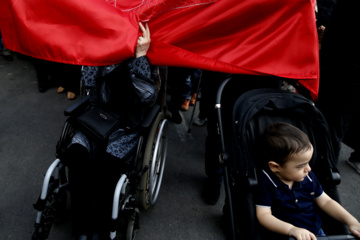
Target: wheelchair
[(242, 116), (137, 188)]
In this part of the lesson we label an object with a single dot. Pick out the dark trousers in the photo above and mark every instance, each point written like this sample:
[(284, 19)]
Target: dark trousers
[(177, 82), (92, 184), (339, 71), (51, 73)]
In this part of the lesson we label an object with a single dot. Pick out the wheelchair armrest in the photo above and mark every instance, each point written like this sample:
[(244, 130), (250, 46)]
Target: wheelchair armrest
[(77, 107), (150, 116)]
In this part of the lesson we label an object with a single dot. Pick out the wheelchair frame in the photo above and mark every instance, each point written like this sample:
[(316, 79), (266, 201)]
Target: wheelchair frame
[(139, 187)]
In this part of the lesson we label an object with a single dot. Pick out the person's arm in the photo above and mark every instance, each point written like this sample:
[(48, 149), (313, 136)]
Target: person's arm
[(335, 210), (142, 79), (270, 222)]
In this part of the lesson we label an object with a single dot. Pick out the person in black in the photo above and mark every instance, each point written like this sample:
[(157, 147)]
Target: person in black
[(127, 90), (339, 94), (67, 76), (176, 83)]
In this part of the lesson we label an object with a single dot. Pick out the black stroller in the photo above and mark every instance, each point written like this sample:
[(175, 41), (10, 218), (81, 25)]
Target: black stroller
[(240, 125)]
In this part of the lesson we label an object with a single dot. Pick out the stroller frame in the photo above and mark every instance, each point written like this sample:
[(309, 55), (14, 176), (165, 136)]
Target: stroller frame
[(249, 177)]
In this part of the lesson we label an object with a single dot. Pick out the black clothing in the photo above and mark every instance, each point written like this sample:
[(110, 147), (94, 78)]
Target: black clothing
[(126, 89), (52, 73), (339, 94)]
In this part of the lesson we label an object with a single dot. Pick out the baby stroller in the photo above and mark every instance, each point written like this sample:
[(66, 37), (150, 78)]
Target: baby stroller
[(240, 124), (137, 188)]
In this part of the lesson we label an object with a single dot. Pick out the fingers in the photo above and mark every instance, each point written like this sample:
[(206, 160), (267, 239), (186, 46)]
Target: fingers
[(145, 30), (302, 234), (142, 27), (306, 237), (355, 231), (313, 237), (143, 42)]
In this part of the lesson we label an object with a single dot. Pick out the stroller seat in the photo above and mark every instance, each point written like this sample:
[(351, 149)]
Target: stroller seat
[(251, 113)]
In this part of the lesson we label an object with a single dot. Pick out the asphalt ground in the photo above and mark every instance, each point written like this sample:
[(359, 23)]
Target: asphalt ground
[(30, 126)]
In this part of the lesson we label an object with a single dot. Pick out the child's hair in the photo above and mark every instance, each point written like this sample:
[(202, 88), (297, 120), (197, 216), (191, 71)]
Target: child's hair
[(282, 140)]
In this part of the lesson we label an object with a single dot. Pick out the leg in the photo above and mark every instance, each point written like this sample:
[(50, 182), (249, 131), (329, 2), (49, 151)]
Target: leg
[(351, 137), (185, 94), (204, 102), (108, 172), (43, 70), (176, 78), (80, 175), (69, 78)]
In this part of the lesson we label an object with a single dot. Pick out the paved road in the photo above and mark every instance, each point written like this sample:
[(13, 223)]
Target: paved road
[(30, 126)]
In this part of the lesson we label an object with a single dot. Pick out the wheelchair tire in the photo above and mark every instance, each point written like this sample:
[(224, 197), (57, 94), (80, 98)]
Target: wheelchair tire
[(132, 226), (54, 206), (154, 158), (65, 138)]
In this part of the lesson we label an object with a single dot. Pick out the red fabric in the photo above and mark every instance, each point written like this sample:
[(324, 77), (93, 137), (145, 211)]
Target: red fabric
[(89, 32), (266, 37)]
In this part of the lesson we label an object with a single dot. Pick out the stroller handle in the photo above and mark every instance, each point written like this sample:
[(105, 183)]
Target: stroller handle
[(334, 237)]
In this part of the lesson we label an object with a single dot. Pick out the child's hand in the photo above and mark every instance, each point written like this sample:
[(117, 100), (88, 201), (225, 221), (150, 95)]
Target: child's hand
[(355, 229), (301, 234)]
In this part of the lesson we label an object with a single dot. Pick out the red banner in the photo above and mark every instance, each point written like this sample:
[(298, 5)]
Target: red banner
[(263, 37)]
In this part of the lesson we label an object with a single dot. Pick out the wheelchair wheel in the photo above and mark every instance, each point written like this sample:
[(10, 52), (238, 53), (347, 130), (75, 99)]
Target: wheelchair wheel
[(154, 158), (65, 138), (52, 202), (132, 225)]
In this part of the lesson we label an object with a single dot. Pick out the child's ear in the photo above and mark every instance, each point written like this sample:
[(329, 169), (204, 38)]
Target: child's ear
[(274, 166)]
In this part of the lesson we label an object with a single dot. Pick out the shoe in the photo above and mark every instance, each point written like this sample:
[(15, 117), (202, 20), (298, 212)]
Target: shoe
[(211, 193), (82, 237), (200, 122), (96, 236), (71, 95), (60, 89), (176, 117), (193, 99), (8, 57), (355, 165), (7, 54), (185, 105), (42, 87)]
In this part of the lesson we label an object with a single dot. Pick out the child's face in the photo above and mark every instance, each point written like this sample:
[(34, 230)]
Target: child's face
[(297, 167)]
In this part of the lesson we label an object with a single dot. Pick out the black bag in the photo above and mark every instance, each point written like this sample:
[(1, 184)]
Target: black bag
[(98, 123)]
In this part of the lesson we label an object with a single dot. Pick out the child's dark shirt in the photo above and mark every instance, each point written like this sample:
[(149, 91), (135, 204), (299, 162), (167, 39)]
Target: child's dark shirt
[(297, 205)]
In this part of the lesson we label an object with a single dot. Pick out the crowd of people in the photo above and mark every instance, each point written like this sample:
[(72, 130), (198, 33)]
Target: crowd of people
[(338, 100), (50, 74)]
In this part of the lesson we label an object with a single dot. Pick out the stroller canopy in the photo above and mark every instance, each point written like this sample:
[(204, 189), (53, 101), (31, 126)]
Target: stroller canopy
[(255, 110)]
